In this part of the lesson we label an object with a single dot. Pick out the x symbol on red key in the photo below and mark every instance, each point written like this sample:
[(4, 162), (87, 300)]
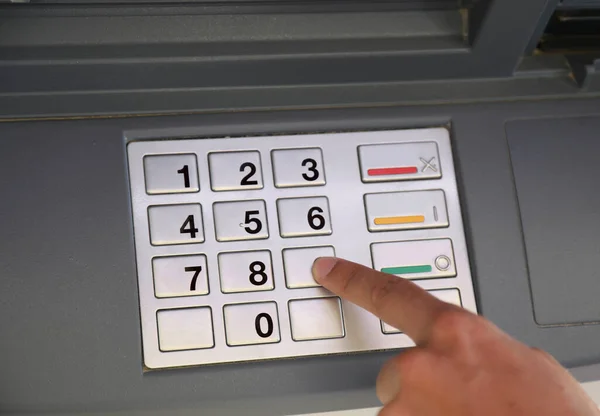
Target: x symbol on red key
[(428, 164)]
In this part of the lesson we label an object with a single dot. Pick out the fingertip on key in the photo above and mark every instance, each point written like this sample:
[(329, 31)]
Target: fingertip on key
[(322, 267)]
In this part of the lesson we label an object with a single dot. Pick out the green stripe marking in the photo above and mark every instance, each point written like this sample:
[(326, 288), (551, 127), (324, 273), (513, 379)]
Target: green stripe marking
[(407, 269)]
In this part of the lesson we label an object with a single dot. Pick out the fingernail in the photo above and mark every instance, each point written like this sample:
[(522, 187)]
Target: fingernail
[(388, 383), (322, 266)]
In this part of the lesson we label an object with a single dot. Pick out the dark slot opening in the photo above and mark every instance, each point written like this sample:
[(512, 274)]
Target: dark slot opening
[(572, 31)]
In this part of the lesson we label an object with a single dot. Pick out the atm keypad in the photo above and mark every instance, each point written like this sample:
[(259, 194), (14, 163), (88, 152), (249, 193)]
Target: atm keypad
[(226, 232)]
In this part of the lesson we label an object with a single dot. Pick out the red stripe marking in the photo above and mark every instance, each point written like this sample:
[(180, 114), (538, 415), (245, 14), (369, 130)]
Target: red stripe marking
[(406, 170)]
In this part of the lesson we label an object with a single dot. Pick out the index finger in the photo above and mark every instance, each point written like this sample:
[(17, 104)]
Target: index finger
[(395, 300)]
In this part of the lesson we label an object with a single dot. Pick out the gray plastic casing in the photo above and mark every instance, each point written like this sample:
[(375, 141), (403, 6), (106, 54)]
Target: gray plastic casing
[(70, 317), (78, 83)]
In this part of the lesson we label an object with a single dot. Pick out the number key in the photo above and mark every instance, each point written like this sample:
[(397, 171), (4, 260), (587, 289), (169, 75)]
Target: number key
[(300, 217), (175, 224), (251, 323), (298, 167), (166, 174), (248, 271), (230, 171), (240, 220), (180, 276)]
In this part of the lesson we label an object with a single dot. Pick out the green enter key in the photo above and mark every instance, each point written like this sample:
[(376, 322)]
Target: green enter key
[(425, 268)]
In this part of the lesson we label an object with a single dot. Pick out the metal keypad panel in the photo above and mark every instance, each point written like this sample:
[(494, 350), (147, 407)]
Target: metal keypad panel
[(226, 231)]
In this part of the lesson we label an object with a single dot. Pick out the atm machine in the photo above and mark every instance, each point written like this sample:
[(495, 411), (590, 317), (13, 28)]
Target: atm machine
[(170, 169)]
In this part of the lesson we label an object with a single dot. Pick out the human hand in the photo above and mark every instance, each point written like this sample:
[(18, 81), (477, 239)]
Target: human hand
[(463, 365)]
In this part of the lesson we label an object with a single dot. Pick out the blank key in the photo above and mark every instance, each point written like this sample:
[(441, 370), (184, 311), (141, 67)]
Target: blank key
[(313, 319), (185, 329), (297, 263)]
